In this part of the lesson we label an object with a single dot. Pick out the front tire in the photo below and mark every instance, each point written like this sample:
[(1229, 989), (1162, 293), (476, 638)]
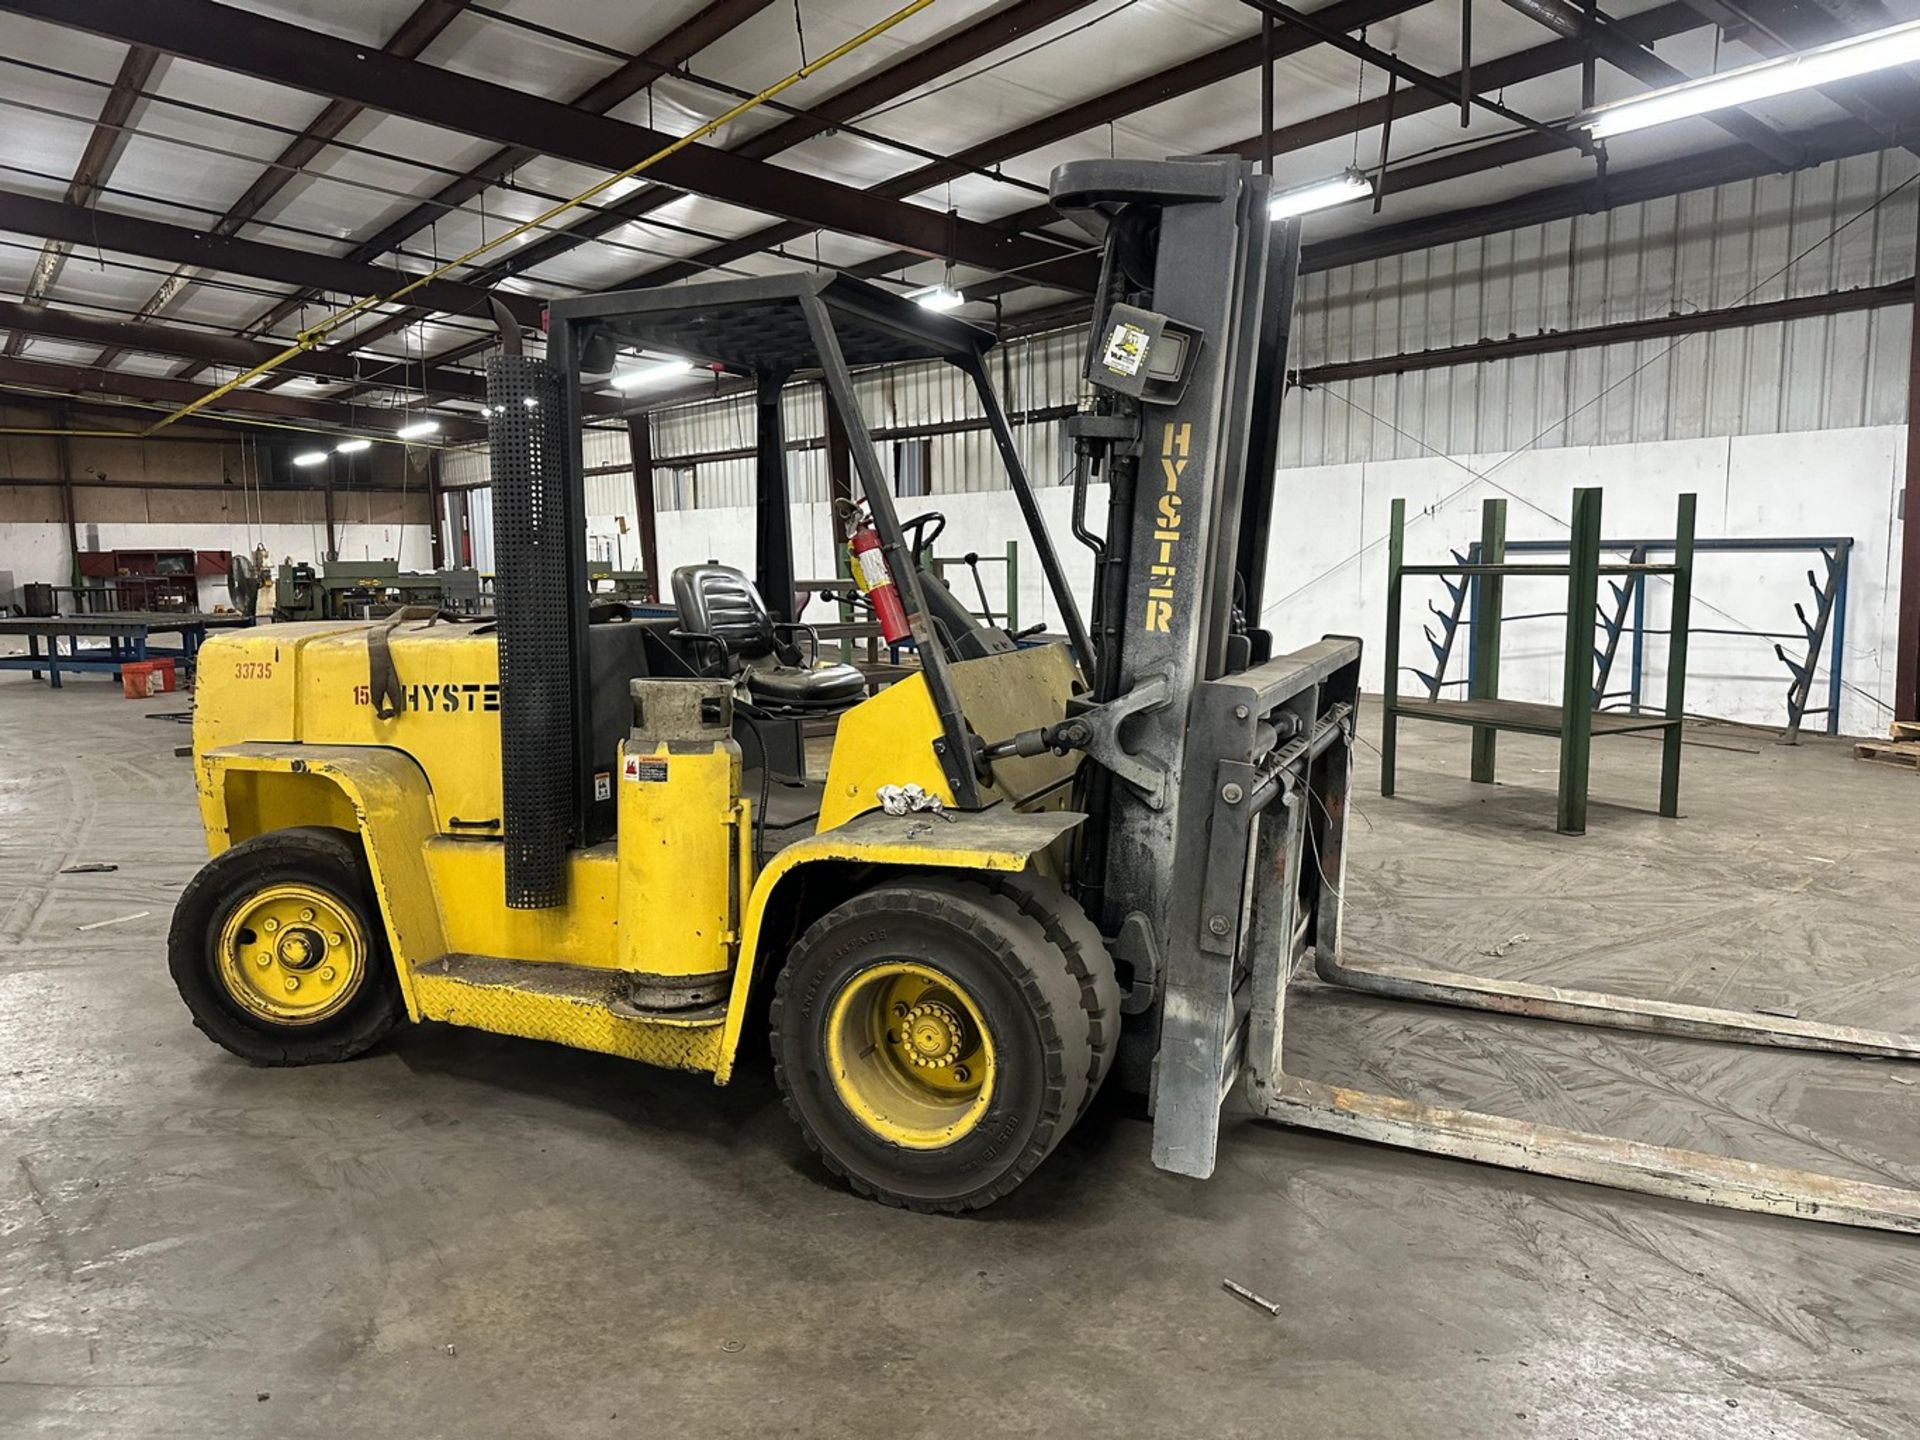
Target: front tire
[(278, 949), (931, 1042)]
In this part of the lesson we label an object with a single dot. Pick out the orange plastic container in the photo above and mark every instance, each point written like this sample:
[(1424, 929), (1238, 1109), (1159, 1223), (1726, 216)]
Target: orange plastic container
[(141, 678)]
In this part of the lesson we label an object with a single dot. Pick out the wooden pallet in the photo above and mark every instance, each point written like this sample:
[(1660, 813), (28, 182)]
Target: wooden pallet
[(1904, 730), (1889, 752)]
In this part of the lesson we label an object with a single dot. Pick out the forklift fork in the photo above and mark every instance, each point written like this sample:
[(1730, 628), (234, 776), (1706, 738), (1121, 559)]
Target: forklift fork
[(1289, 874)]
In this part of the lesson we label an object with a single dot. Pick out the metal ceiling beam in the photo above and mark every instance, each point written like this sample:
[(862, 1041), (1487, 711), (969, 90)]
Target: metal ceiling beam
[(416, 32), (214, 348), (1229, 60), (1657, 327), (891, 81), (1832, 141), (103, 149), (1702, 171), (1555, 55), (210, 347), (248, 43), (1622, 51), (86, 380), (281, 264), (1889, 99), (981, 38), (1461, 90), (672, 50), (1757, 37)]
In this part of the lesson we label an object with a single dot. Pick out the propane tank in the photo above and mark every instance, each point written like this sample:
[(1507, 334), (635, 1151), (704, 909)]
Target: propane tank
[(870, 574)]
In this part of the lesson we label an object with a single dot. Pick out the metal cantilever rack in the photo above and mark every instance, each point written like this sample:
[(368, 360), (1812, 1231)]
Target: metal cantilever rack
[(1623, 618), (1577, 718)]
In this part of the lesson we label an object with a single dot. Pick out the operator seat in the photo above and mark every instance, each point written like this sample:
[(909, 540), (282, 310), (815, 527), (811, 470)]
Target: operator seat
[(723, 616)]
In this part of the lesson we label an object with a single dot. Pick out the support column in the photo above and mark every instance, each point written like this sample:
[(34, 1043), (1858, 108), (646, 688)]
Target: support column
[(1390, 651), (63, 448), (839, 492), (1489, 594), (333, 547), (1576, 682), (437, 551), (773, 547), (1906, 682), (640, 452)]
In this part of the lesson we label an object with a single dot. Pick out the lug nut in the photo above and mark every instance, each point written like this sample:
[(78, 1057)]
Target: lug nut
[(334, 937), (271, 925), (293, 983), (306, 914), (900, 1008), (264, 960), (327, 973), (962, 1074)]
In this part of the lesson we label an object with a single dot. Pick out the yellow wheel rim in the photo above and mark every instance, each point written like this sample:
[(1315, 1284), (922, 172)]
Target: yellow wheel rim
[(292, 954), (909, 1055)]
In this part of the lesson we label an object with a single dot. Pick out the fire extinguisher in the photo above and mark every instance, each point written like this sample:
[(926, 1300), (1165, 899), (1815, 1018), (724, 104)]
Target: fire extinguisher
[(870, 574)]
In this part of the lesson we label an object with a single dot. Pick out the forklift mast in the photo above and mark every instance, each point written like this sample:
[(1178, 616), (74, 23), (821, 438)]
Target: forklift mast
[(1186, 359)]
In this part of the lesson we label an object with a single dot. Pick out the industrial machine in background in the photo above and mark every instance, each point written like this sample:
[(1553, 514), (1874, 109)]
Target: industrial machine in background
[(368, 590), (620, 586), (1019, 870)]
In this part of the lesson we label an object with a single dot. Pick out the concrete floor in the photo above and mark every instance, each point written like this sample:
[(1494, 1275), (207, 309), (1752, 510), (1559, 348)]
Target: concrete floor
[(467, 1236)]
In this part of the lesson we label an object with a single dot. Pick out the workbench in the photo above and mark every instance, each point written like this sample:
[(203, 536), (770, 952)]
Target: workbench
[(127, 634)]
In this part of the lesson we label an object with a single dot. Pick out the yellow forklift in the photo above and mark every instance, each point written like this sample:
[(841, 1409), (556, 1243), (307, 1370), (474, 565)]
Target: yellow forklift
[(1022, 868)]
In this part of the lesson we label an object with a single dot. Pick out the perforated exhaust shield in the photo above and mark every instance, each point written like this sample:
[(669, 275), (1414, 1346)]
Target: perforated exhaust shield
[(527, 434)]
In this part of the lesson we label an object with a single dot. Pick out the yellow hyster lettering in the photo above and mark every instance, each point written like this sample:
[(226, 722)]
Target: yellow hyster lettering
[(1175, 441)]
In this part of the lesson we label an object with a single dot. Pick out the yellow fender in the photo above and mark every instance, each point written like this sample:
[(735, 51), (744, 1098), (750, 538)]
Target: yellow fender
[(995, 839), (246, 789)]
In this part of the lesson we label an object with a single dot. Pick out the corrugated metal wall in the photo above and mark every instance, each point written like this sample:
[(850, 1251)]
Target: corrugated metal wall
[(1030, 374), (1706, 250)]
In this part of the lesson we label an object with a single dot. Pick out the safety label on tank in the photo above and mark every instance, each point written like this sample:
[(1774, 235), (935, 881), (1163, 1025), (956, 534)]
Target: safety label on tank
[(602, 785), (644, 767)]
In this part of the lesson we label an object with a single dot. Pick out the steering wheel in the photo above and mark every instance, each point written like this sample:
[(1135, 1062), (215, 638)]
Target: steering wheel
[(920, 539)]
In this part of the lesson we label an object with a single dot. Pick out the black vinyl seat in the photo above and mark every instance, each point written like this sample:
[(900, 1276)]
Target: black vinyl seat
[(723, 617)]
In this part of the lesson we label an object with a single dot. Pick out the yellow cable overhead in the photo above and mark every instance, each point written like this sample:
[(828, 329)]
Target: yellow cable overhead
[(306, 339)]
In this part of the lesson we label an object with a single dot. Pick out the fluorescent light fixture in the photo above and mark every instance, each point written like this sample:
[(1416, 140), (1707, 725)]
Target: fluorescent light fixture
[(1823, 65), (419, 429), (938, 297), (310, 457), (1348, 185), (650, 374), (352, 447)]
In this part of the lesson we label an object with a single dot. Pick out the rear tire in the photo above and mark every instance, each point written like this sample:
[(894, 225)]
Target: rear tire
[(279, 950), (930, 1041)]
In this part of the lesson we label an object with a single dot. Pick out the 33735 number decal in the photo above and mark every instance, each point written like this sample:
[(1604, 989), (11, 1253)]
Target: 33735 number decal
[(253, 669)]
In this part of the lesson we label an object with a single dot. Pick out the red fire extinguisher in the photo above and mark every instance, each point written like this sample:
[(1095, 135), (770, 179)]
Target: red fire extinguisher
[(870, 574)]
